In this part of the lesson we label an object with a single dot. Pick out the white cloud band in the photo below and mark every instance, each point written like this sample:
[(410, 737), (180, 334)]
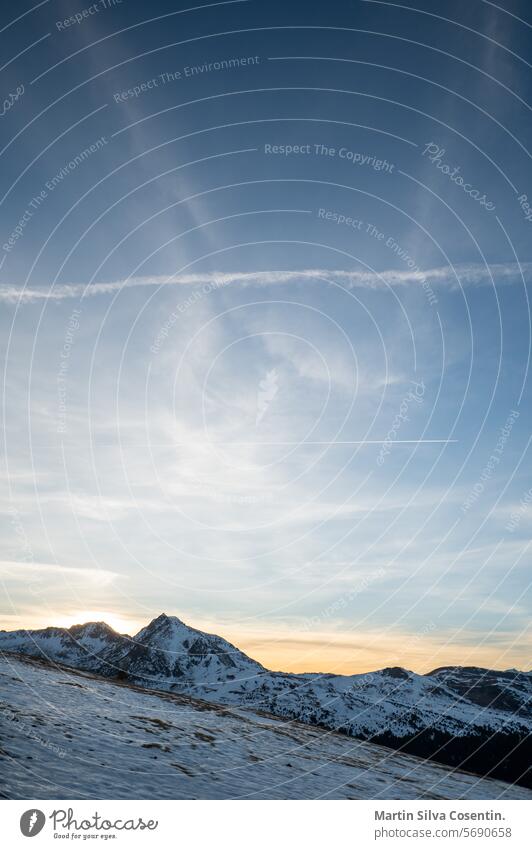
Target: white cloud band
[(472, 274)]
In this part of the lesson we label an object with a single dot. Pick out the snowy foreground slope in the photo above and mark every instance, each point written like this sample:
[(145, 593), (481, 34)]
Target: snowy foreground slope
[(475, 719), (71, 734)]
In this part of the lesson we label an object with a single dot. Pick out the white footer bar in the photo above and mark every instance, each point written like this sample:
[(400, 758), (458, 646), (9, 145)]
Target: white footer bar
[(266, 824)]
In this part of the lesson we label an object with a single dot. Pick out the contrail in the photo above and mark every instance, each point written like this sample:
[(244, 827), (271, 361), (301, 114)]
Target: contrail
[(470, 274)]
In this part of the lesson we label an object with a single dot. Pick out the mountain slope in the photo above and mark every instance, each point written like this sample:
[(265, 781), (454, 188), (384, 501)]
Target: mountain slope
[(164, 652), (400, 709), (465, 717), (70, 734), (510, 691), (168, 651), (80, 646)]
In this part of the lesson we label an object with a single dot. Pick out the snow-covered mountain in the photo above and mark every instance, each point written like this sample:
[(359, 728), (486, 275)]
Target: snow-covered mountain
[(464, 716), (509, 691), (68, 734), (80, 646), (167, 652)]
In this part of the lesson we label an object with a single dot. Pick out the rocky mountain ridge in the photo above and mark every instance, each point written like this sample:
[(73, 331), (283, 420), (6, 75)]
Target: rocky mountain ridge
[(466, 717)]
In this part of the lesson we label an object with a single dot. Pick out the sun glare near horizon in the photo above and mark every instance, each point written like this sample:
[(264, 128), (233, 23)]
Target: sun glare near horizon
[(329, 652), (120, 624)]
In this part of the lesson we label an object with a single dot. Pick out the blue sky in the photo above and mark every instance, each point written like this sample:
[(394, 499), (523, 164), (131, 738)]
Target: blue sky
[(266, 331)]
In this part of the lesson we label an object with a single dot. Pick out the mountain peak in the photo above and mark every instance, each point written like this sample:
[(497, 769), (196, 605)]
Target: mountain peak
[(92, 629), (163, 618), (162, 625), (169, 648)]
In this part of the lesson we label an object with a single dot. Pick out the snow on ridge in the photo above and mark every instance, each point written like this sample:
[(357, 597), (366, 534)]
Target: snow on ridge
[(392, 705), (139, 745)]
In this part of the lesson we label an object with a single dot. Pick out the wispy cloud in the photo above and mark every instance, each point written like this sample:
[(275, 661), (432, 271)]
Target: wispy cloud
[(469, 274), (16, 570)]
